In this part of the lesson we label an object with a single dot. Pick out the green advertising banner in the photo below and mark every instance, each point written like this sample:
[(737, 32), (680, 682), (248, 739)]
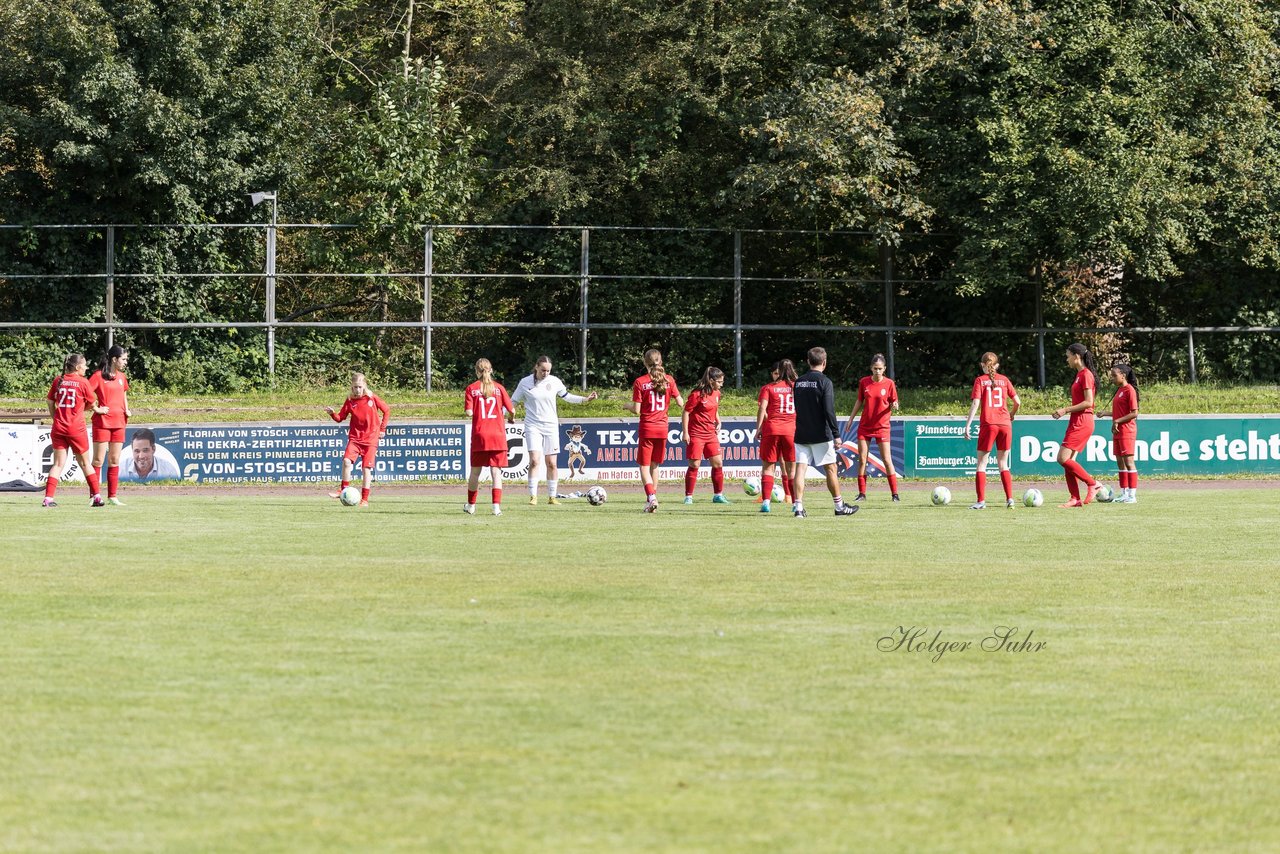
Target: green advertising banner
[(1167, 445)]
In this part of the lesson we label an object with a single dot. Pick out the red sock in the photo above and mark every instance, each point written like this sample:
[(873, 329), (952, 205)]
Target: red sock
[(364, 494), (893, 484), (1073, 485), (717, 480), (95, 485), (345, 484), (497, 495), (766, 487), (690, 481), (980, 484), (862, 484), (650, 491), (787, 492), (113, 481), (1078, 470), (471, 495), (1006, 480), (1133, 480), (50, 487), (1123, 477)]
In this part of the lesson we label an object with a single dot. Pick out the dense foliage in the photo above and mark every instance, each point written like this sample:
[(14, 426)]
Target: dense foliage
[(1120, 157)]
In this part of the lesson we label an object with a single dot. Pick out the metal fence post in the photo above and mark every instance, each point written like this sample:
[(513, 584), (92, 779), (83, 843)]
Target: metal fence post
[(583, 287), (428, 267), (1039, 324), (886, 262), (271, 293), (109, 310), (737, 307), (1191, 352)]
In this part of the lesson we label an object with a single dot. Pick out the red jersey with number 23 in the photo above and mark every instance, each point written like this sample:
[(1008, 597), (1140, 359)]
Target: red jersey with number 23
[(995, 395), (653, 405), (780, 411), (487, 430), (366, 427), (71, 395)]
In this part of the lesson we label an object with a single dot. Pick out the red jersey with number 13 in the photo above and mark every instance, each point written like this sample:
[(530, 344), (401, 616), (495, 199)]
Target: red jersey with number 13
[(995, 395), (780, 412), (71, 395), (487, 430), (653, 405)]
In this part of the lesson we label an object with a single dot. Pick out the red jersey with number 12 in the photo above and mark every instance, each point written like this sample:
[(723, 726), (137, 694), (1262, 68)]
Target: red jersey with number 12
[(653, 405), (366, 426), (71, 395), (487, 430), (995, 395), (780, 411)]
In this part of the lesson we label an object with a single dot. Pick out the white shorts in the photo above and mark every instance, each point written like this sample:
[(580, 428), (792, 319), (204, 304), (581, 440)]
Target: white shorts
[(542, 438), (821, 454)]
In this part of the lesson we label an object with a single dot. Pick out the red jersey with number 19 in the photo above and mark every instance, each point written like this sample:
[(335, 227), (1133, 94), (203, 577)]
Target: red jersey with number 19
[(780, 411), (71, 395), (653, 405), (995, 395), (487, 431)]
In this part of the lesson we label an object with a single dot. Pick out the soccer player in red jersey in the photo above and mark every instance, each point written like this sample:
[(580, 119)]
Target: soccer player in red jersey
[(776, 427), (1080, 425), (651, 394), (110, 387), (484, 402), (368, 414), (877, 399), (700, 430), (1124, 430), (998, 399), (69, 397)]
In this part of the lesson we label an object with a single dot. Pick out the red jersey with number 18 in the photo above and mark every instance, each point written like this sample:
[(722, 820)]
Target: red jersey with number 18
[(653, 405), (71, 395), (487, 431), (780, 411), (995, 395)]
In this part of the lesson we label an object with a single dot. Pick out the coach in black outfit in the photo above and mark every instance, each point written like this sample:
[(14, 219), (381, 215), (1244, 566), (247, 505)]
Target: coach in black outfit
[(817, 431)]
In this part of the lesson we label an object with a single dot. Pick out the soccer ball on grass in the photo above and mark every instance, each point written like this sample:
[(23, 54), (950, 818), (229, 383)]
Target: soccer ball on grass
[(350, 496), (597, 496), (941, 496), (1105, 494), (751, 486), (1032, 498)]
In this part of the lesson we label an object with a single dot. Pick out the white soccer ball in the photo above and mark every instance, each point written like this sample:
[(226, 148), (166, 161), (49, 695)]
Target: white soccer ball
[(751, 486), (597, 496), (1105, 494), (941, 495), (350, 496), (778, 492), (1032, 498)]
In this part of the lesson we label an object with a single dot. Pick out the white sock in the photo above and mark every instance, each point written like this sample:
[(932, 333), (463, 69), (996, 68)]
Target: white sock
[(552, 486)]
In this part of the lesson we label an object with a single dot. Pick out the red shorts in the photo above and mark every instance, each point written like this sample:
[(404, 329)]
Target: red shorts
[(1122, 443), (882, 436), (108, 434), (651, 451), (78, 442), (365, 452), (778, 449), (1000, 435), (489, 459), (1078, 434), (702, 449)]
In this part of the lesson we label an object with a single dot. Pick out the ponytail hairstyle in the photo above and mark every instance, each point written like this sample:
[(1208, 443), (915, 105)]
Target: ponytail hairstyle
[(990, 364), (1129, 376), (69, 365), (539, 361), (786, 371), (484, 373), (108, 361), (1087, 357), (709, 376), (653, 361)]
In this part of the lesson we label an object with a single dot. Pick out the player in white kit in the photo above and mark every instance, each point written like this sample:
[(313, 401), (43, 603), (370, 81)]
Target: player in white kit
[(539, 392)]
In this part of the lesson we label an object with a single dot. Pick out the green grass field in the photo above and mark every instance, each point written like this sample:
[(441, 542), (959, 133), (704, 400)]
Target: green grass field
[(227, 672)]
